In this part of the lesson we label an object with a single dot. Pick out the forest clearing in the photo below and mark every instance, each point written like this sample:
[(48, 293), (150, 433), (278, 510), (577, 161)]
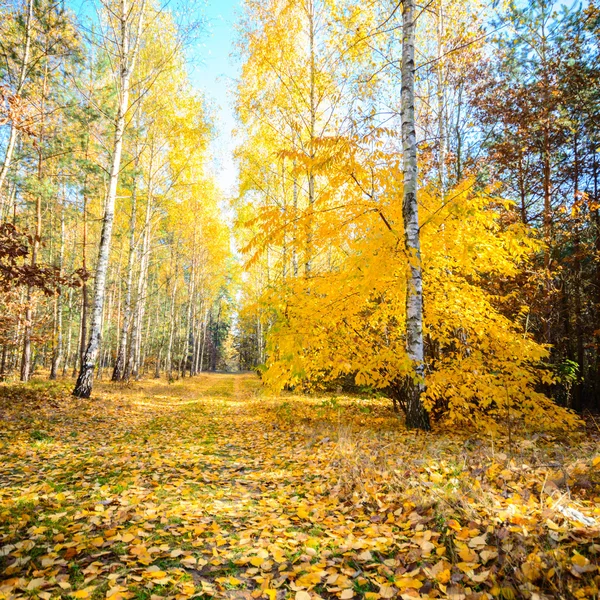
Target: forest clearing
[(211, 488)]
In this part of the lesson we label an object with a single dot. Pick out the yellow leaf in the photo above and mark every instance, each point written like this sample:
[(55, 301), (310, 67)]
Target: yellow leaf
[(309, 580), (80, 594), (302, 512), (579, 560), (278, 555), (155, 574), (271, 593), (454, 524), (444, 576), (407, 582), (467, 554)]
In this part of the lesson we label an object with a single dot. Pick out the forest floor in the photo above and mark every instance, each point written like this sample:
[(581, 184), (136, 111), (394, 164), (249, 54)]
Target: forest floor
[(210, 487)]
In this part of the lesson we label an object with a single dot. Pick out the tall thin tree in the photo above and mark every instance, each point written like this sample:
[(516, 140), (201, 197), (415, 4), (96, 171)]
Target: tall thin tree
[(416, 415), (130, 24)]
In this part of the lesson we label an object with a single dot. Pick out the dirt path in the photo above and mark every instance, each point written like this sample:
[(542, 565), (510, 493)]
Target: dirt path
[(169, 489)]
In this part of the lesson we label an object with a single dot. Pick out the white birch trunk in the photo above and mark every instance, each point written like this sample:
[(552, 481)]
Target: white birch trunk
[(416, 416), (126, 64)]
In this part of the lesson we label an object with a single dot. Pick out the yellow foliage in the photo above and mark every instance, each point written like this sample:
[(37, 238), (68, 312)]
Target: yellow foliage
[(482, 366)]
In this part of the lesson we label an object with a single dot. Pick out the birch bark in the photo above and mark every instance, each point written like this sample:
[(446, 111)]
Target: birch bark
[(416, 415), (128, 47)]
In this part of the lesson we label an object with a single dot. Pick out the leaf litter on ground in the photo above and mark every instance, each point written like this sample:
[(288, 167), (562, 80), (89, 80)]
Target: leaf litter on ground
[(210, 487)]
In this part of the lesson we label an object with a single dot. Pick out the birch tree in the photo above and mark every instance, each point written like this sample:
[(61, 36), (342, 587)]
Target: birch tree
[(416, 416), (126, 22)]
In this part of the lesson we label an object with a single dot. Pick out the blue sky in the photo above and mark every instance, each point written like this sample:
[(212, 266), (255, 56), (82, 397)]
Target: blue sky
[(214, 71)]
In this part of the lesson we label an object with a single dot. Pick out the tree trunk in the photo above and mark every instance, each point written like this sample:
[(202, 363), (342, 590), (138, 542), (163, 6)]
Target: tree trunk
[(311, 147), (69, 331), (547, 233), (169, 365), (578, 391), (441, 104), (295, 229), (416, 415), (119, 368), (26, 358), (57, 356), (204, 334), (3, 363), (597, 244), (190, 319), (133, 363), (128, 55)]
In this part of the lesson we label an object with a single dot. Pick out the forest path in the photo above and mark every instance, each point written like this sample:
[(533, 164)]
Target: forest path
[(211, 487), (205, 485)]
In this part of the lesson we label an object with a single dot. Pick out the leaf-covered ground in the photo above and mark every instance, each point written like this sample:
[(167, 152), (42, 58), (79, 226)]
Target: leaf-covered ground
[(211, 488)]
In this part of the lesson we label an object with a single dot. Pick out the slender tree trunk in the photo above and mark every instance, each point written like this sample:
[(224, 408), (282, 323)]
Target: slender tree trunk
[(458, 134), (284, 250), (547, 231), (10, 203), (119, 370), (133, 363), (157, 364), (215, 348), (597, 244), (565, 312), (416, 415), (198, 337), (295, 229), (204, 334), (58, 350), (578, 390), (128, 55), (69, 333), (84, 287), (522, 192), (190, 317), (37, 239), (3, 363), (169, 365), (311, 147), (441, 105)]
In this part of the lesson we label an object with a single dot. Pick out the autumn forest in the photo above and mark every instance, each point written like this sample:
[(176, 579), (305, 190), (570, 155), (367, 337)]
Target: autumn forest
[(348, 347)]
